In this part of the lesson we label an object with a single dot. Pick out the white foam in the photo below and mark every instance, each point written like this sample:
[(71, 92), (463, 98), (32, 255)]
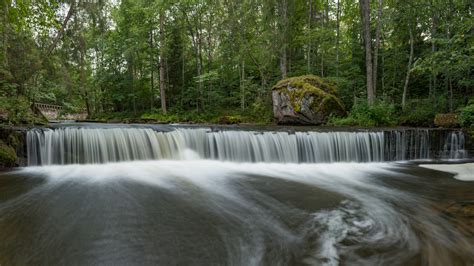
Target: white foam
[(368, 218), (464, 172)]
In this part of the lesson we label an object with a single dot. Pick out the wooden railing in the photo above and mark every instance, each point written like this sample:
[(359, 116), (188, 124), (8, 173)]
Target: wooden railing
[(53, 112), (49, 107)]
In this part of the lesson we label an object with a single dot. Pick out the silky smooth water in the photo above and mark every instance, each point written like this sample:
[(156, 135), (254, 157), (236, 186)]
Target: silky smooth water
[(100, 145), (205, 212), (139, 196)]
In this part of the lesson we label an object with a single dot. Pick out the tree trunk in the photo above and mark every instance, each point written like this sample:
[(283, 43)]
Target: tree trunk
[(450, 82), (242, 86), (152, 85), (182, 78), (284, 34), (263, 81), (377, 45), (71, 11), (199, 65), (209, 44), (162, 64), (83, 78), (194, 39), (383, 66), (434, 25), (6, 25), (283, 64), (365, 15), (322, 63), (338, 14), (310, 17), (167, 80), (407, 77)]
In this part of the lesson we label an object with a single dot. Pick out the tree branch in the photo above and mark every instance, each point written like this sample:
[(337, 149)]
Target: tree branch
[(70, 13)]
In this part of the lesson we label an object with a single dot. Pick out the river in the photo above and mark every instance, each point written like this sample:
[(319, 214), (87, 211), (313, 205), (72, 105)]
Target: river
[(119, 196)]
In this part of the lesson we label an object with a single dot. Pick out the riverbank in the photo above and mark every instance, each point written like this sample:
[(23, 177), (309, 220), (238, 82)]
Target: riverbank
[(455, 203), (13, 151)]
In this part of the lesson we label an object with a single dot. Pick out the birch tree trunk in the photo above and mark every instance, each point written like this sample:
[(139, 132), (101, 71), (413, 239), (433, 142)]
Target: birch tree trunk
[(407, 77)]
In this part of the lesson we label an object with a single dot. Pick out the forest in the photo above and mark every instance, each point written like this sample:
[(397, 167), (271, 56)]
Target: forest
[(394, 62)]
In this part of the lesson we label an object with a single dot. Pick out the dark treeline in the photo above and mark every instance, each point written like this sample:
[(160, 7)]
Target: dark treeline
[(201, 56)]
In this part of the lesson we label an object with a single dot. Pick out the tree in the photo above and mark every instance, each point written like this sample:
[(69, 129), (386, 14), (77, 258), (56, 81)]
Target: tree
[(365, 15), (213, 57), (377, 45), (162, 63), (410, 60), (284, 25)]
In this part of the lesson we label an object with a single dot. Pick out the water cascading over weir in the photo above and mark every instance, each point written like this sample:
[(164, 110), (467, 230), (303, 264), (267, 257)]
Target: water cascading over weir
[(83, 145)]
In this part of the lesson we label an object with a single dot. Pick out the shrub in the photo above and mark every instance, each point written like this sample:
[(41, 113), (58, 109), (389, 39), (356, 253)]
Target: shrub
[(466, 116), (381, 113), (17, 110), (419, 113), (230, 119)]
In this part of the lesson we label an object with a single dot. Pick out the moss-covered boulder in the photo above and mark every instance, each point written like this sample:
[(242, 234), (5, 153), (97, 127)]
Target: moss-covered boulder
[(305, 100), (446, 120), (7, 155)]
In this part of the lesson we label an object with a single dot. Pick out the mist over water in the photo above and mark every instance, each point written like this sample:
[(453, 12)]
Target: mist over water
[(134, 195), (209, 212)]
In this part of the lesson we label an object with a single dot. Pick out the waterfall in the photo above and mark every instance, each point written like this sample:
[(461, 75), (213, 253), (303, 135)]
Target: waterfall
[(72, 145), (96, 145), (454, 146)]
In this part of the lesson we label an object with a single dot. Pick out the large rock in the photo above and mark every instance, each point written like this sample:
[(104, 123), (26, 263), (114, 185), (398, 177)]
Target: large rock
[(305, 100), (446, 120)]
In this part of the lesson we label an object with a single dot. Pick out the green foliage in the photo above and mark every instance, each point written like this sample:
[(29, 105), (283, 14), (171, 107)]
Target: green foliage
[(221, 58), (344, 89), (18, 111), (466, 116), (7, 155), (254, 116), (419, 113), (381, 113)]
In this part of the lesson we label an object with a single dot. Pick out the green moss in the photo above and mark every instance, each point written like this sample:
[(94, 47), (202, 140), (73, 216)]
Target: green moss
[(230, 119), (7, 155), (13, 139), (446, 120), (330, 103), (322, 91), (307, 80)]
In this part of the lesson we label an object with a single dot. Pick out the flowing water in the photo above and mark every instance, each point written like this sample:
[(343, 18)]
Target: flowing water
[(100, 145), (121, 196)]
